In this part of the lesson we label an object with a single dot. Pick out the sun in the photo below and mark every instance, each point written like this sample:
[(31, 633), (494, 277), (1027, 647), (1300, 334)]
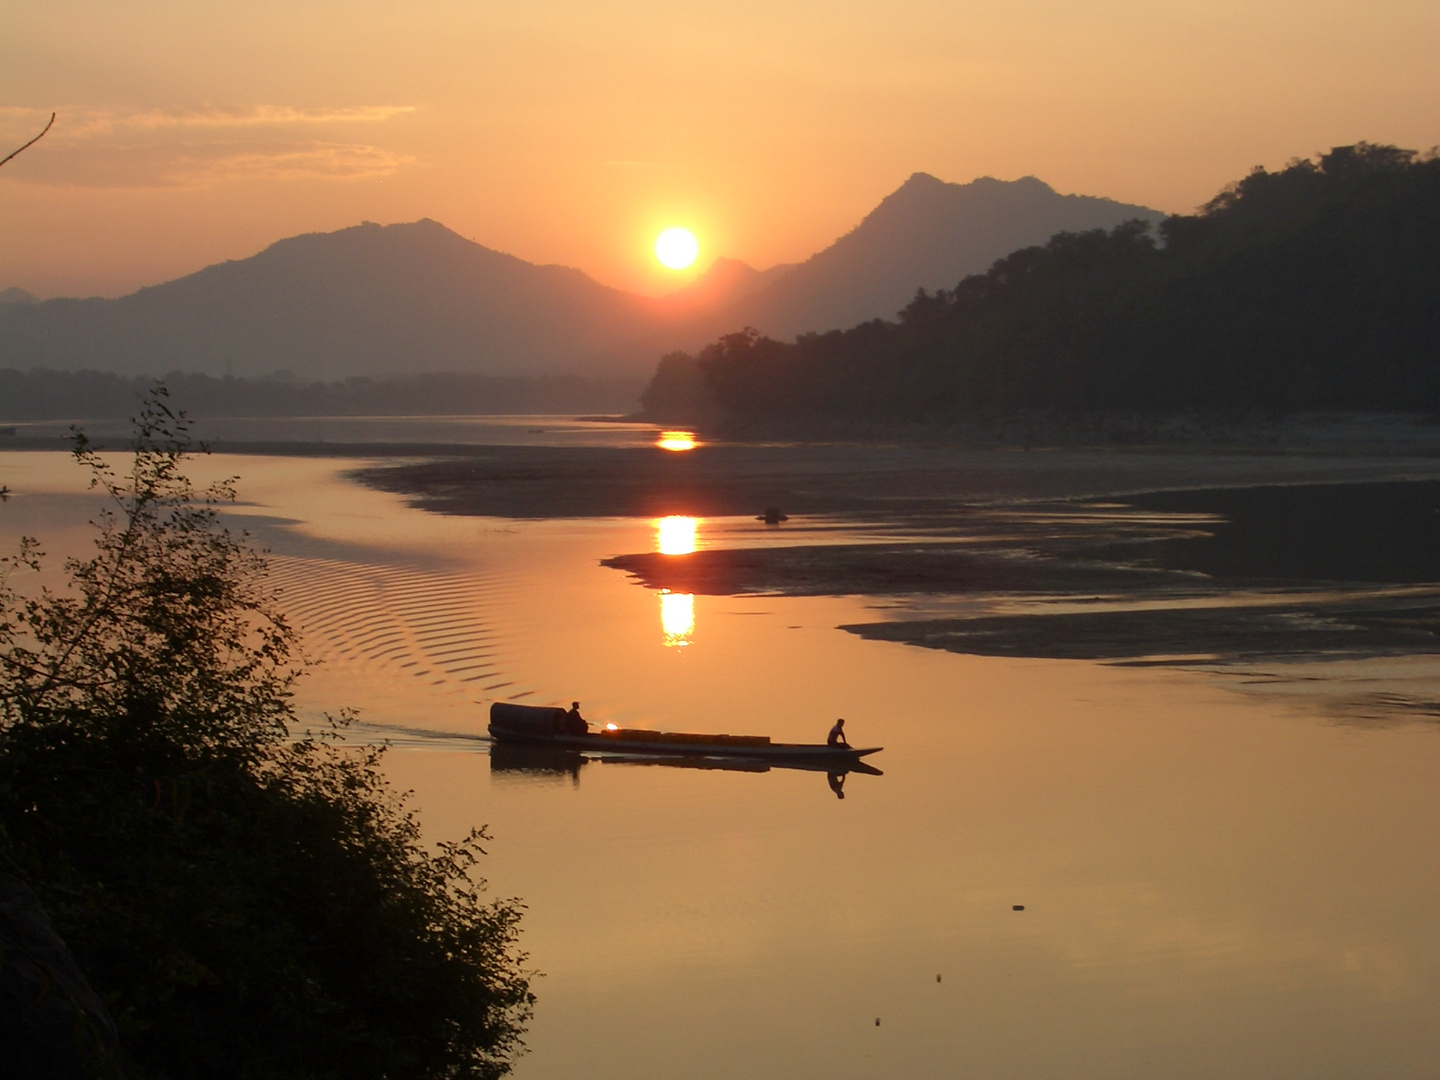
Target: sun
[(676, 248)]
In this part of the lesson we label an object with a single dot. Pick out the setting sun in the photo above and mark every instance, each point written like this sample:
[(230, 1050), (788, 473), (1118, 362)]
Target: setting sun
[(676, 248)]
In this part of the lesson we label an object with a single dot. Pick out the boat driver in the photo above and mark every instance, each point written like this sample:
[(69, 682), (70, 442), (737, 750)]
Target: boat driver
[(837, 735), (575, 723)]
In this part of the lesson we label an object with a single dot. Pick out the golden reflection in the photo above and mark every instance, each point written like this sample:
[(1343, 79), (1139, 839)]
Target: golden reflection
[(676, 535), (676, 440), (677, 617)]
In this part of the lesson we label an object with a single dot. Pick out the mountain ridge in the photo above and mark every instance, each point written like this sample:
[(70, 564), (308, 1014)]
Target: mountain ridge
[(368, 299), (938, 232), (401, 299)]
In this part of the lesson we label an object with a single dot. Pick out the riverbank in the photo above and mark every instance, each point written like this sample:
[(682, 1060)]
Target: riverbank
[(1210, 556), (878, 482)]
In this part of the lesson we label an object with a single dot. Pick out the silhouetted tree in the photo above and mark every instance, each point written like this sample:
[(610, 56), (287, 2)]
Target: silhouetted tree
[(249, 904)]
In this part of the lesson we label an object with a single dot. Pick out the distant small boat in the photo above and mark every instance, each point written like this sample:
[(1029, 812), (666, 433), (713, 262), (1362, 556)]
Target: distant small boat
[(542, 726)]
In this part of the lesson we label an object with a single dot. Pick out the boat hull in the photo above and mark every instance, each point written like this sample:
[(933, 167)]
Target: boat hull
[(601, 744)]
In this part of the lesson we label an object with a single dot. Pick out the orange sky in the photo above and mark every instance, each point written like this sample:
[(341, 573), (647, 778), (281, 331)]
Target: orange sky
[(572, 131)]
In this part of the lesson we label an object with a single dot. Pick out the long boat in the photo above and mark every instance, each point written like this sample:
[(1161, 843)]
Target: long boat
[(551, 726)]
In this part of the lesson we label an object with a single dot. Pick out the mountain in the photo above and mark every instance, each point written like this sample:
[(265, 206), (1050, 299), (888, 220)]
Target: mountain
[(927, 234), (402, 299), (13, 295), (371, 300), (1311, 289)]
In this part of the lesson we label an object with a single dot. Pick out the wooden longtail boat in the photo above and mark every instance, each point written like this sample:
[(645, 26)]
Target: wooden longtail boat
[(549, 726)]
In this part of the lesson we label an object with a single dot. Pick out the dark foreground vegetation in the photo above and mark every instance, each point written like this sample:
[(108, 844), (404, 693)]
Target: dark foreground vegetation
[(1312, 288), (244, 903), (42, 394)]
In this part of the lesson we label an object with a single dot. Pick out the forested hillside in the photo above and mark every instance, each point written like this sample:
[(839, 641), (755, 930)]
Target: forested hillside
[(1315, 287), (925, 234)]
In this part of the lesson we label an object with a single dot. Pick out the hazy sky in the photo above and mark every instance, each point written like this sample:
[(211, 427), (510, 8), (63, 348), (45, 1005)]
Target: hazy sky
[(572, 131)]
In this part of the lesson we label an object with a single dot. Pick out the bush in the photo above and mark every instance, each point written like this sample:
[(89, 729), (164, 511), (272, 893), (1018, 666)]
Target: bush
[(248, 904)]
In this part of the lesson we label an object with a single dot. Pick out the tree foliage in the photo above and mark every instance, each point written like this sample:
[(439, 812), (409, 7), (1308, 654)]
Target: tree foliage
[(249, 904), (1309, 288)]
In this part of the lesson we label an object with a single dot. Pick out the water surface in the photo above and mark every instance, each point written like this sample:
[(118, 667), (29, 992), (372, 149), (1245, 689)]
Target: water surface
[(1221, 875)]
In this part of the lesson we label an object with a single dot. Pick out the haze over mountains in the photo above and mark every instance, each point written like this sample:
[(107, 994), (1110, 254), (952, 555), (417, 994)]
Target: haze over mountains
[(371, 300), (927, 234), (401, 299)]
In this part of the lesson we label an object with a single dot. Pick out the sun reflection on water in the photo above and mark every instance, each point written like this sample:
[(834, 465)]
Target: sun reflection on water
[(676, 535), (676, 440), (677, 617)]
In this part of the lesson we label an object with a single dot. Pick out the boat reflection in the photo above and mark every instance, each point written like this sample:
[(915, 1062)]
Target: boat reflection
[(677, 618), (535, 761), (542, 762)]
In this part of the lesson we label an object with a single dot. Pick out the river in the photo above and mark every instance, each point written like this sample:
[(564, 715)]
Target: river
[(1067, 869)]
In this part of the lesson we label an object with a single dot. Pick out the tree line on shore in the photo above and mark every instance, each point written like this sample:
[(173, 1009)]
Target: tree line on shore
[(1310, 288), (43, 394)]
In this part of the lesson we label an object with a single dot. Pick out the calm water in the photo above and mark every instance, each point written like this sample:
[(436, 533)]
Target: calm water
[(1217, 882)]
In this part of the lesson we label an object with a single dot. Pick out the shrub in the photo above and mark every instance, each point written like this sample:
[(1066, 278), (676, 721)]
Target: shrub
[(249, 904)]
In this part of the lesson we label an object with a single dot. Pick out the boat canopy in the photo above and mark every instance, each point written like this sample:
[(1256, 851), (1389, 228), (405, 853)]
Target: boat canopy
[(533, 720)]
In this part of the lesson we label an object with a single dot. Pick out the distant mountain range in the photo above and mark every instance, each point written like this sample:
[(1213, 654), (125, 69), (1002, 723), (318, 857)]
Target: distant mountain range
[(401, 299), (371, 299)]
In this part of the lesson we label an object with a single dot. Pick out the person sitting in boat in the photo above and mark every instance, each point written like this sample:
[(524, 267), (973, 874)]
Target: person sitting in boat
[(575, 723), (837, 735)]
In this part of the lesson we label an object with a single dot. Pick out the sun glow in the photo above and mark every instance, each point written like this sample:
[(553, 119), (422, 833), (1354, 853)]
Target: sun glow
[(675, 535), (676, 248), (676, 440)]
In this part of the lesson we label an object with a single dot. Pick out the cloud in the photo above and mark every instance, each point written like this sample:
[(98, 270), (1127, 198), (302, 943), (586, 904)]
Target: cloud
[(248, 117), (189, 165), (200, 146)]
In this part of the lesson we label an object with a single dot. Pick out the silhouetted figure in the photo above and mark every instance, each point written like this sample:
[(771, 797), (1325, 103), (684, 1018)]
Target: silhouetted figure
[(575, 723), (837, 735), (837, 783)]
